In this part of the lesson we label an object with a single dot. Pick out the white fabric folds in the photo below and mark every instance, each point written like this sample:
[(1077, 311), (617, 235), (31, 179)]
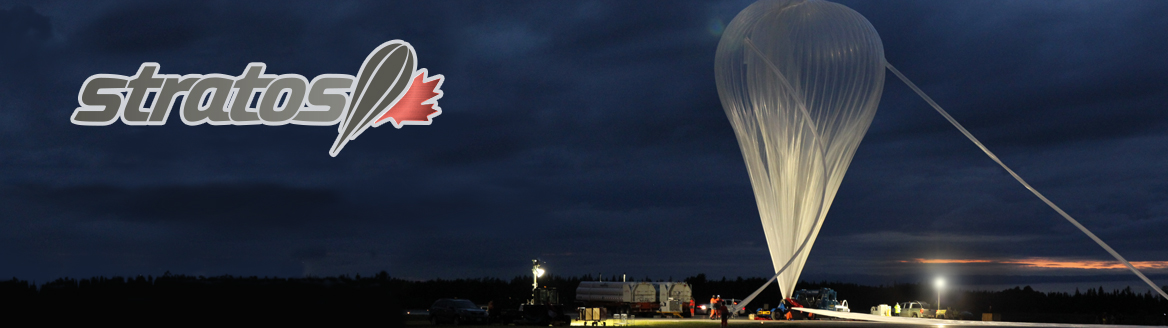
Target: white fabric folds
[(800, 82)]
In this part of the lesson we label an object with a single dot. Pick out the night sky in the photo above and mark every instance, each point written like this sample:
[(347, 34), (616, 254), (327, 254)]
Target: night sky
[(586, 134)]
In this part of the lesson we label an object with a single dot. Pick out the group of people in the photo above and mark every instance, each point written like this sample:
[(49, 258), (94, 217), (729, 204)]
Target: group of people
[(718, 309)]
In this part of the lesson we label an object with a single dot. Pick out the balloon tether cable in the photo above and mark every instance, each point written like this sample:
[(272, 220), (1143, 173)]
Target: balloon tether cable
[(1023, 182), (983, 148)]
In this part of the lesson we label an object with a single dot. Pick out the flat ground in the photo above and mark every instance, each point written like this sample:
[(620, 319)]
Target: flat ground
[(738, 323)]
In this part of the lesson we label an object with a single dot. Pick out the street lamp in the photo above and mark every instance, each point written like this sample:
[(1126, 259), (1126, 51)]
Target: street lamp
[(940, 284)]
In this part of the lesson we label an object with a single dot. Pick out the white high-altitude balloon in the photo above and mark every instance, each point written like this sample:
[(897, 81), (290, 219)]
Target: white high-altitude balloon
[(800, 81)]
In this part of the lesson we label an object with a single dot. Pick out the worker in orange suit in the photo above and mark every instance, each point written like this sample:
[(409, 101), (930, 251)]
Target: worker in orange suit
[(713, 306), (691, 307)]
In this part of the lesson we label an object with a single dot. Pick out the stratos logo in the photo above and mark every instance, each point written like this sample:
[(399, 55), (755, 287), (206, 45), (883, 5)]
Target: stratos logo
[(388, 88)]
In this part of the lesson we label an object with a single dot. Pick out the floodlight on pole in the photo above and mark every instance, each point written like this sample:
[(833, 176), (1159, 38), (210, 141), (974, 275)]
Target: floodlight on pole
[(536, 272), (940, 284)]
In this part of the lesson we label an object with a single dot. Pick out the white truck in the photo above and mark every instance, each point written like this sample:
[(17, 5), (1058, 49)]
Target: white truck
[(916, 309)]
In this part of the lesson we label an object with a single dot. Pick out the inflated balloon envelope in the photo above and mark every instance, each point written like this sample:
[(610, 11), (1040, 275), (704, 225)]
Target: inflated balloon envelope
[(800, 82)]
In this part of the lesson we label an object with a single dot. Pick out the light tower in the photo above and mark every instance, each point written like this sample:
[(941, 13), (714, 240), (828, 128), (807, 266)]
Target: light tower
[(940, 284), (536, 272)]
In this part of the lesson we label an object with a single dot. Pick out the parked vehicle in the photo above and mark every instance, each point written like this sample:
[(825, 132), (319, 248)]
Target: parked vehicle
[(544, 309), (823, 299), (456, 311), (764, 314), (917, 309), (959, 315), (732, 303), (955, 314)]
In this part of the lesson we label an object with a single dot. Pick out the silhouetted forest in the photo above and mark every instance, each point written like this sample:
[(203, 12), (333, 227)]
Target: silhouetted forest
[(381, 298), (180, 299)]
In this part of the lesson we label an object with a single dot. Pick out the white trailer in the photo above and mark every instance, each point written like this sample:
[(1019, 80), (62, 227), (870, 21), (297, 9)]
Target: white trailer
[(669, 298), (674, 297)]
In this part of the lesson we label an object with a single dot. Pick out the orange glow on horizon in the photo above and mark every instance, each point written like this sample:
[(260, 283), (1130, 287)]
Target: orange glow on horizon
[(1051, 263), (931, 261)]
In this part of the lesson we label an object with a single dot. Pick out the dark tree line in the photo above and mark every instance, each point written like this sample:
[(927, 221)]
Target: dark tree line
[(181, 299), (381, 298)]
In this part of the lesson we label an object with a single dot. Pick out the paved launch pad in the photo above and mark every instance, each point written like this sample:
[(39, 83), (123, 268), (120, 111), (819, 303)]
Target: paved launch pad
[(906, 322), (860, 321), (842, 323), (948, 323)]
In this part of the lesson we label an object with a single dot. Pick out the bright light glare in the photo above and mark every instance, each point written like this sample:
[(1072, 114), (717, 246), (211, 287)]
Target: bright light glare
[(940, 282), (539, 272)]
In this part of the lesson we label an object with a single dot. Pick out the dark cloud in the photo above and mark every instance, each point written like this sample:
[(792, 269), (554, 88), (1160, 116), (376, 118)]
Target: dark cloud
[(24, 27), (150, 27), (1024, 75), (222, 205)]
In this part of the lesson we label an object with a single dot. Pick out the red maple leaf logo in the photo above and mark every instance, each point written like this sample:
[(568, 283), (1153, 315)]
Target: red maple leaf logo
[(418, 105)]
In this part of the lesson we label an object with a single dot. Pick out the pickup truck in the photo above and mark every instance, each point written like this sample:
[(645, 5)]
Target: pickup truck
[(916, 309)]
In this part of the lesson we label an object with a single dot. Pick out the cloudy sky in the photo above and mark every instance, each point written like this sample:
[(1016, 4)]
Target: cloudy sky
[(587, 134)]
